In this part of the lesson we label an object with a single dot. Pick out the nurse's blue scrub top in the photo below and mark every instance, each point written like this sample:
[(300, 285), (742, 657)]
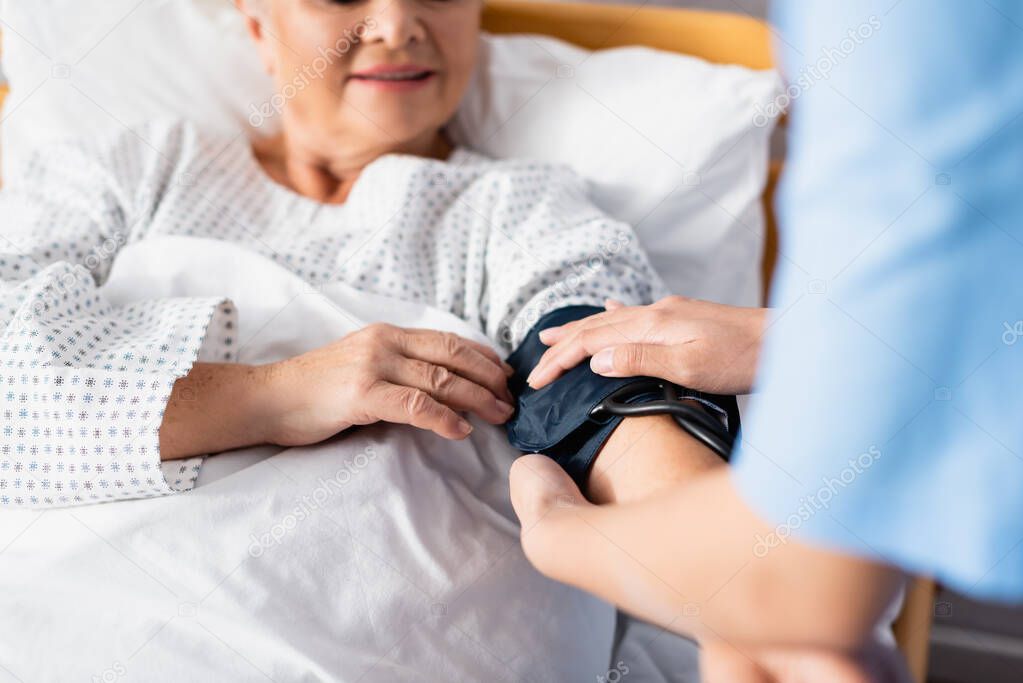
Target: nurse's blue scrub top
[(889, 414)]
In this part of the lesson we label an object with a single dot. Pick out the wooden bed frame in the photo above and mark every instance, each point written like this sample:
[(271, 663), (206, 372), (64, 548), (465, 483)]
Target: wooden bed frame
[(718, 37)]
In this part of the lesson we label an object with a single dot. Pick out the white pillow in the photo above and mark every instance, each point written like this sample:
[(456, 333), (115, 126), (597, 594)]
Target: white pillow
[(669, 141)]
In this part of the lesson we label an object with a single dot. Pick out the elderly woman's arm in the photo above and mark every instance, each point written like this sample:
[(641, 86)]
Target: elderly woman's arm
[(558, 264), (99, 395), (86, 380), (380, 373)]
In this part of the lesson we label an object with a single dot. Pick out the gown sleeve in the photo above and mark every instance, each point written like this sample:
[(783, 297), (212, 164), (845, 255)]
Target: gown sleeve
[(84, 383), (554, 257), (550, 247)]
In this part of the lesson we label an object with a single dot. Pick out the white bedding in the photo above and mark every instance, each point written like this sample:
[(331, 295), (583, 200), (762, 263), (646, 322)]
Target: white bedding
[(330, 562), (387, 554)]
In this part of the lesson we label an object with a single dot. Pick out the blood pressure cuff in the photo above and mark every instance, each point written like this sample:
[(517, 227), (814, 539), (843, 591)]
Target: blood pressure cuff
[(555, 420)]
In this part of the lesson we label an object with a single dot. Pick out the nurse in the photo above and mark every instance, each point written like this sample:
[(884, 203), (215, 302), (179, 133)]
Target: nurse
[(886, 432)]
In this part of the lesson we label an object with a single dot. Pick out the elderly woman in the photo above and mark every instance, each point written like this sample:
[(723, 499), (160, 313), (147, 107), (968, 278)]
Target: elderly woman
[(361, 185)]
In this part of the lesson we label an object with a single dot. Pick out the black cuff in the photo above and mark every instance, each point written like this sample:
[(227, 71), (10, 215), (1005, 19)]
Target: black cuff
[(556, 419)]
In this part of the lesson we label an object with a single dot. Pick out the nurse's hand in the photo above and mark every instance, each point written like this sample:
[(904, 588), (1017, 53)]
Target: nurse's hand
[(698, 344), (385, 373), (724, 663)]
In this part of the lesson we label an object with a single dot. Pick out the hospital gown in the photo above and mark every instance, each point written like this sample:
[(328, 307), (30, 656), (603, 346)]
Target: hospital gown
[(85, 382)]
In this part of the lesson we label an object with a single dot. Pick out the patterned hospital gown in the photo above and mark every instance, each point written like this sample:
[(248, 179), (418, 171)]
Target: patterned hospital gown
[(85, 382)]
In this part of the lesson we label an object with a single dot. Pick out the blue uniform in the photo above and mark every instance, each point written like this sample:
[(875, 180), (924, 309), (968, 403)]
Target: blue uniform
[(889, 415)]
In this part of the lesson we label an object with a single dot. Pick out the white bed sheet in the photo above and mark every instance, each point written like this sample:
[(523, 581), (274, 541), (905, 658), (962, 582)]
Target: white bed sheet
[(406, 567), (387, 554)]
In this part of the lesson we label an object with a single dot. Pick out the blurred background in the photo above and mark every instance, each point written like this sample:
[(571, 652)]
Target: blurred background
[(970, 642)]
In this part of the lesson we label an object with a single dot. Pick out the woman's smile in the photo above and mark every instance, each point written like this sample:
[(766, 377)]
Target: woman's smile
[(394, 77), (390, 79)]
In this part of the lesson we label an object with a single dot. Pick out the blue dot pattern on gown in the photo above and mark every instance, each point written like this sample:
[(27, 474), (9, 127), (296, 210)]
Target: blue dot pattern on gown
[(85, 383)]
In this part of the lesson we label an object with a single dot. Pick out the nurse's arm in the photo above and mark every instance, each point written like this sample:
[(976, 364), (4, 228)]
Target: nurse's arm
[(692, 559)]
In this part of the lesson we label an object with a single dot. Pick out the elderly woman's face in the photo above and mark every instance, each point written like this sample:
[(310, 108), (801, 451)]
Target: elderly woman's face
[(385, 72)]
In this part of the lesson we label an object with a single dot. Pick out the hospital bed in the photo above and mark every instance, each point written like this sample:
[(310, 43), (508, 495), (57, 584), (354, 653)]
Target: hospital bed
[(720, 38)]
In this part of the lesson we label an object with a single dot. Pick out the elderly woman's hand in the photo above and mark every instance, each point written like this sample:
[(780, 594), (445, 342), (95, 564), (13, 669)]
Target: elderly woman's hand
[(698, 344), (390, 374)]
